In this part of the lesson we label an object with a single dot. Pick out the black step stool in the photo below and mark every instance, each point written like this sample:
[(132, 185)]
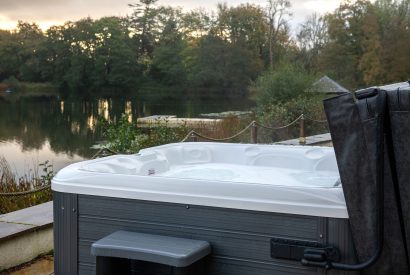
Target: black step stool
[(127, 253)]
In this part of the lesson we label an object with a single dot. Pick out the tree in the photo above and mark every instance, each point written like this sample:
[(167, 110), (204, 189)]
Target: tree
[(144, 21), (368, 43), (115, 55), (168, 62), (8, 55), (196, 24), (394, 23), (81, 42), (206, 62), (89, 55), (216, 63), (30, 39), (370, 63), (277, 13), (341, 56), (311, 38), (58, 44), (243, 24)]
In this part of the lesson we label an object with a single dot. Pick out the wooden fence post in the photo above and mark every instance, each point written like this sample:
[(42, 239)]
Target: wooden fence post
[(302, 134), (254, 132)]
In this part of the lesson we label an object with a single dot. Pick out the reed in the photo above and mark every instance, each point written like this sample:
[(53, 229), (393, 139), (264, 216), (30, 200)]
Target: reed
[(32, 180)]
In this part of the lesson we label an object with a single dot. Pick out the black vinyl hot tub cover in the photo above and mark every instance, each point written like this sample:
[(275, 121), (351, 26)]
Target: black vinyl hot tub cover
[(370, 130)]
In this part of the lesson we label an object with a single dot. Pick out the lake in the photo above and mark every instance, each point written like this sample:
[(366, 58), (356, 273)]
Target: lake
[(62, 131)]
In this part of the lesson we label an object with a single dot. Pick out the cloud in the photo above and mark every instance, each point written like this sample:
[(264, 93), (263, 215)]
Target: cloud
[(7, 5), (47, 12), (304, 8), (61, 10)]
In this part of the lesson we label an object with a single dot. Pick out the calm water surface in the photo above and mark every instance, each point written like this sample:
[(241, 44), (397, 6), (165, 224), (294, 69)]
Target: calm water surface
[(36, 129)]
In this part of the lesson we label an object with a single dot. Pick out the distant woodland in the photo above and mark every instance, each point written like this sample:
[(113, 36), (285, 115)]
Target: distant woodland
[(359, 44)]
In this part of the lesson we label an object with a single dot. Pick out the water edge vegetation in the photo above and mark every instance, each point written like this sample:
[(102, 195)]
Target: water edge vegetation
[(17, 193)]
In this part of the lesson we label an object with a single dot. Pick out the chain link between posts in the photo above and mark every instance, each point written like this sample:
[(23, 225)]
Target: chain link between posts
[(193, 134), (25, 193)]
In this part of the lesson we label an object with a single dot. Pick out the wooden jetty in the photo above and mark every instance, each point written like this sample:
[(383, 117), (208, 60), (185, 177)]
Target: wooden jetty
[(173, 121)]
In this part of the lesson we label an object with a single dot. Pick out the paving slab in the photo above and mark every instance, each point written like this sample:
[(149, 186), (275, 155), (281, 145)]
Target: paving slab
[(8, 230), (311, 140), (38, 215), (28, 219)]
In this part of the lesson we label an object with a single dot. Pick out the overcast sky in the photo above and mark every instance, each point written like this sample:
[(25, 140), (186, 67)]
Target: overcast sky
[(51, 12)]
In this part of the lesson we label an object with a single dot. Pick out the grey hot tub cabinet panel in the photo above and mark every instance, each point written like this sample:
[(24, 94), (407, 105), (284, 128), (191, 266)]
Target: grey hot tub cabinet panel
[(240, 239), (65, 233)]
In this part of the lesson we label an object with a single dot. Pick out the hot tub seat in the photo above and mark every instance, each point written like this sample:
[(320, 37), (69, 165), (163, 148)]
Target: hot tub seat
[(175, 252)]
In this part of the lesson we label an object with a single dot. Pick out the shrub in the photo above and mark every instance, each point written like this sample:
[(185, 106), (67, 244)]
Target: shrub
[(281, 85), (274, 115), (125, 137)]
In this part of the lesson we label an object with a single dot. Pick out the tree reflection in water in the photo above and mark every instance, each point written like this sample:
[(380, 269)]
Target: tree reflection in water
[(35, 129)]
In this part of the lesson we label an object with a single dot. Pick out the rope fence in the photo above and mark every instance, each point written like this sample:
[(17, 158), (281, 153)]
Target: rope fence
[(16, 200), (25, 193), (192, 133), (280, 127), (255, 126)]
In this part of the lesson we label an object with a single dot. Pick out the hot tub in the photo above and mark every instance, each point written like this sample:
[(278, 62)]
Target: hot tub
[(236, 196)]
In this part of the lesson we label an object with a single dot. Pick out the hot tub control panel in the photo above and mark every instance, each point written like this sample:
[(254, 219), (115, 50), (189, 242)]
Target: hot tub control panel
[(297, 250)]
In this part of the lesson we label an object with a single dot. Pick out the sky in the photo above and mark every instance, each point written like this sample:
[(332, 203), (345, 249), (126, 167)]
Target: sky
[(53, 12)]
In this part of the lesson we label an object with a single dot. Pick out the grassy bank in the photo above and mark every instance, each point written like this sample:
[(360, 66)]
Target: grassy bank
[(19, 88), (20, 187)]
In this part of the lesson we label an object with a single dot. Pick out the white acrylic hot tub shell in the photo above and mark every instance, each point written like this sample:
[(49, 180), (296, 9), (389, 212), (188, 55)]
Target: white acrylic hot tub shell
[(274, 178)]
